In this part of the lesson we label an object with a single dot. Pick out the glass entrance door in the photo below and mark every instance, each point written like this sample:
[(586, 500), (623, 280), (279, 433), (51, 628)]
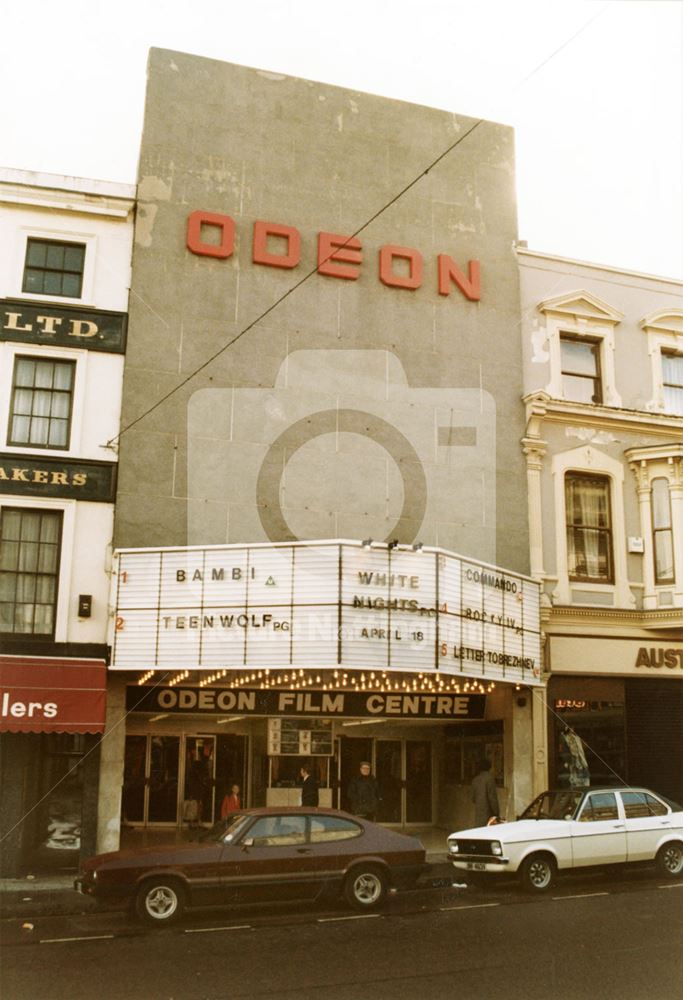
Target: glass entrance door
[(389, 771), (351, 752), (162, 773), (403, 768), (418, 764), (164, 762), (199, 785)]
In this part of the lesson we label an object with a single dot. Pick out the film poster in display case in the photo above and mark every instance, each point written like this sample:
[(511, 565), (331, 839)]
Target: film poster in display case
[(300, 737)]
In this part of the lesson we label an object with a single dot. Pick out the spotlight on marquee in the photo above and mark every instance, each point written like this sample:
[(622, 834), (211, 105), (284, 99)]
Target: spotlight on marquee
[(393, 544), (417, 547), (367, 543)]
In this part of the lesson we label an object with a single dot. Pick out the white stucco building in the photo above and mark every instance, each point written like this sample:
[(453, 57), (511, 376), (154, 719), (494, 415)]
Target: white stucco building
[(65, 252)]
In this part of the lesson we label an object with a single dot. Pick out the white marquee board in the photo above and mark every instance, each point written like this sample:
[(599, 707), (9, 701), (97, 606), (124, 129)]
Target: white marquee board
[(323, 605)]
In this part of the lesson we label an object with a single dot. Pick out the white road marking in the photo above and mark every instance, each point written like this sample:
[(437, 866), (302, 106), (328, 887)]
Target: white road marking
[(207, 930), (94, 937), (671, 885), (468, 906), (356, 916), (582, 895)]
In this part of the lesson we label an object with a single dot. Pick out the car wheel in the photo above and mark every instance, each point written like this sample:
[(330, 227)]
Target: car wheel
[(670, 859), (537, 873), (365, 888), (160, 901)]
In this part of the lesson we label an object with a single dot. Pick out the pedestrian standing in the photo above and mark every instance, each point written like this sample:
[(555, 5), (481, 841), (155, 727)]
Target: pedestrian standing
[(484, 794), (232, 802), (363, 793), (309, 787)]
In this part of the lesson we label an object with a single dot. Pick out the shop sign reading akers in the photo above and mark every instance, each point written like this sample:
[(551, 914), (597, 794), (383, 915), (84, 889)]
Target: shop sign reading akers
[(323, 605)]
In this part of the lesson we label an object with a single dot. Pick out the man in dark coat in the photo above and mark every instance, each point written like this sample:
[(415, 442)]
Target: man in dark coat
[(309, 788), (363, 793), (484, 794)]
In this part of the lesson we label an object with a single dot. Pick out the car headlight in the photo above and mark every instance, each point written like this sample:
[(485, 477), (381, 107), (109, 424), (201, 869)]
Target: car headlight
[(453, 847), (496, 847)]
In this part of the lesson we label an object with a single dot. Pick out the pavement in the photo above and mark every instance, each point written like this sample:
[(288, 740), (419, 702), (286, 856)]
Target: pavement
[(54, 895)]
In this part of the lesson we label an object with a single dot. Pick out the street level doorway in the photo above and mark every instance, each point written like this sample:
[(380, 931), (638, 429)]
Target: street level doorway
[(163, 772), (404, 771)]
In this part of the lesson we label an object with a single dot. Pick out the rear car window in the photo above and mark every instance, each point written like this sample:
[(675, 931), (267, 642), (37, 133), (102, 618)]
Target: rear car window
[(635, 805), (656, 807), (640, 804), (278, 831), (328, 828)]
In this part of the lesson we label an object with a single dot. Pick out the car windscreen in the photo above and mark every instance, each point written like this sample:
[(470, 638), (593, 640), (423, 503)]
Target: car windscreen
[(224, 829), (554, 805)]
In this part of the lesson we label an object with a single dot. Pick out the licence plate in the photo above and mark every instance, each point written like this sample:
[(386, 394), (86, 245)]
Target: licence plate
[(477, 865)]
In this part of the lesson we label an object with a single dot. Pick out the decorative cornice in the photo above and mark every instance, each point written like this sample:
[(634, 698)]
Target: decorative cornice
[(541, 257), (541, 407), (655, 452), (584, 615)]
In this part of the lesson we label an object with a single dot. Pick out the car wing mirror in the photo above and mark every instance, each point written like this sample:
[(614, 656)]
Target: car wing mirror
[(247, 843)]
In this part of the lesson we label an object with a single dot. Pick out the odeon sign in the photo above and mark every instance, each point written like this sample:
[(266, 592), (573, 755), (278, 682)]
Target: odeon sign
[(338, 256)]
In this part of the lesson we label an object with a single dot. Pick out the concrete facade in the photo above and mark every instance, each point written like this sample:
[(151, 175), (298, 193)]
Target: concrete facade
[(442, 369), (313, 357)]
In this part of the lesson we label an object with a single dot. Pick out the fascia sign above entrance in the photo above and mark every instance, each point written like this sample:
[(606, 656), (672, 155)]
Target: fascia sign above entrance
[(323, 605)]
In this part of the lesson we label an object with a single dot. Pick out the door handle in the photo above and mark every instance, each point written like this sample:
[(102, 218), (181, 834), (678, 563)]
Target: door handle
[(303, 850), (618, 826)]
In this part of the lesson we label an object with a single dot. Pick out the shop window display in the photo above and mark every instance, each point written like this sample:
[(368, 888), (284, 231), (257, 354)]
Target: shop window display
[(589, 743), (58, 833)]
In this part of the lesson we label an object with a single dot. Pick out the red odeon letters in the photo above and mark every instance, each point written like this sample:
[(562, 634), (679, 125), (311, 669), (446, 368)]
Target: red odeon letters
[(210, 234)]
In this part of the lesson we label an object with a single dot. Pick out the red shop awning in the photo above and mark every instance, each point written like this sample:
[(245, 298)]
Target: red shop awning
[(44, 694)]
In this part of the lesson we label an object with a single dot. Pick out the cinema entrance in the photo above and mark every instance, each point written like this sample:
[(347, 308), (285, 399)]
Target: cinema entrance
[(404, 771), (163, 772)]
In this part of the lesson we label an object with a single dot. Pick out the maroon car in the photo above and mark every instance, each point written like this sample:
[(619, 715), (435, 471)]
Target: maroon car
[(263, 855)]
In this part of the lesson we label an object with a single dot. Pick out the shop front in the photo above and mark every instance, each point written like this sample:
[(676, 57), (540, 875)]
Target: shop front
[(615, 712), (413, 660), (52, 711)]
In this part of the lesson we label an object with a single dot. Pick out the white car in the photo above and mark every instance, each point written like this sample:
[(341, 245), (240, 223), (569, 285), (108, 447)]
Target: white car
[(575, 828)]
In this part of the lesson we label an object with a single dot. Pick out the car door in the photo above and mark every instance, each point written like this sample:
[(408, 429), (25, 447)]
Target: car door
[(202, 866), (599, 832), (335, 841), (276, 860), (646, 818)]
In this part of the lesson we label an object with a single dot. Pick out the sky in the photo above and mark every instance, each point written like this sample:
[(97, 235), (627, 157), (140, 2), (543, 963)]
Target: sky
[(593, 88)]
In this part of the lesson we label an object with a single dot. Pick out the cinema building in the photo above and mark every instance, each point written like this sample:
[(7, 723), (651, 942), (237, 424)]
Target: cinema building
[(322, 528), (65, 249), (603, 355)]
